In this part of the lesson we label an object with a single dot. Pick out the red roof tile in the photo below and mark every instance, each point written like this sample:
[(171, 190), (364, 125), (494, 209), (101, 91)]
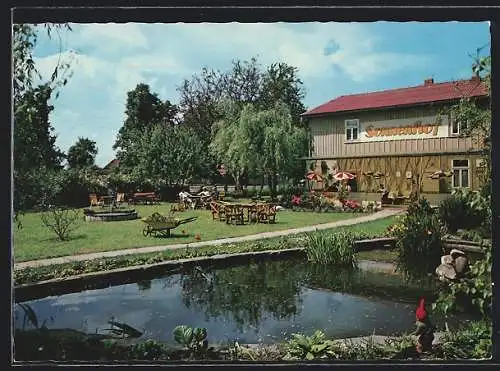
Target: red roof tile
[(429, 92), (114, 162)]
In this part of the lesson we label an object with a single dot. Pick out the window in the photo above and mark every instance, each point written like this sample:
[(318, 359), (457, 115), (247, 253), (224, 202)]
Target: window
[(351, 129), (457, 127), (461, 173)]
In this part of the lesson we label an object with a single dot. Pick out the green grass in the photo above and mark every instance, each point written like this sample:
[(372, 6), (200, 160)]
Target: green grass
[(27, 275), (35, 241)]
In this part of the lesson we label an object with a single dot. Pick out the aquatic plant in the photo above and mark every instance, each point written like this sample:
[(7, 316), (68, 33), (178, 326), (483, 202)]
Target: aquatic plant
[(331, 248)]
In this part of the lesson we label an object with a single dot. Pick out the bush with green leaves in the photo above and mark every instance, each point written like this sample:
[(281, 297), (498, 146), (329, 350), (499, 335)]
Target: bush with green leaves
[(302, 347), (331, 248), (472, 341), (60, 220), (193, 339), (462, 210), (418, 241)]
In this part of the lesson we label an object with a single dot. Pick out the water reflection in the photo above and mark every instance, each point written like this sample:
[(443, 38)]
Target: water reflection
[(259, 301)]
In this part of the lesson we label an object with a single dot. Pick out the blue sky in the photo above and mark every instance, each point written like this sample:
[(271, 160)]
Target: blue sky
[(333, 59)]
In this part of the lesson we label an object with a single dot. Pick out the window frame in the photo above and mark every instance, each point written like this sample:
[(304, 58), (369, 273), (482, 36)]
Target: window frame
[(460, 170), (351, 129), (459, 125)]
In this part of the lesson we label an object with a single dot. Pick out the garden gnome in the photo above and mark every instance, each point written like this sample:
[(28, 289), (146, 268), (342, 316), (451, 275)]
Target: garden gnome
[(425, 329)]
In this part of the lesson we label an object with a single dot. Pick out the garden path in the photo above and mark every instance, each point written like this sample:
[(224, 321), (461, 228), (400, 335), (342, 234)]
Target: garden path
[(384, 213)]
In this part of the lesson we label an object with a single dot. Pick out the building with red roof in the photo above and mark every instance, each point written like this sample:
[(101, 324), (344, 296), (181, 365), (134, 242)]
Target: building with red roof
[(401, 135)]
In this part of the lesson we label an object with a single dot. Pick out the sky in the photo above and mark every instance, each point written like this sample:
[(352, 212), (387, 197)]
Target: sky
[(333, 59)]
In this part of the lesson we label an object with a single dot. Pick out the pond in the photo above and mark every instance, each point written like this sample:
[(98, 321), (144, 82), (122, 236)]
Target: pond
[(261, 301)]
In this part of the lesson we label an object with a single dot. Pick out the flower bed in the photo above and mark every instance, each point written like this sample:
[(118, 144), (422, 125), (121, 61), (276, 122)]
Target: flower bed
[(323, 202)]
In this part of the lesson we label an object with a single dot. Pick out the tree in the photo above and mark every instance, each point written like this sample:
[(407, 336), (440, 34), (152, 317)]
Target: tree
[(264, 142), (280, 83), (283, 144), (477, 115), (36, 158), (231, 144), (169, 154), (82, 153), (203, 108), (144, 110)]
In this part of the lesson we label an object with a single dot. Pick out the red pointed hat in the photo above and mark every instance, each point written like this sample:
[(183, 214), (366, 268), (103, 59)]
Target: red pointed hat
[(421, 313)]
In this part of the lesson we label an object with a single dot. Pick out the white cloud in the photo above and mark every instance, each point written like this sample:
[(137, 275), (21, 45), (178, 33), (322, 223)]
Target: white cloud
[(113, 58), (128, 34)]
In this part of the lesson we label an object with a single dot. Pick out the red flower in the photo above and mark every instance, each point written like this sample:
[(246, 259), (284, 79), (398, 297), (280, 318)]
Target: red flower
[(296, 200), (352, 204)]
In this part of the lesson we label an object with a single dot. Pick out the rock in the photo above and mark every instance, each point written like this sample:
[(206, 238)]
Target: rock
[(454, 253), (446, 259), (446, 271), (461, 264)]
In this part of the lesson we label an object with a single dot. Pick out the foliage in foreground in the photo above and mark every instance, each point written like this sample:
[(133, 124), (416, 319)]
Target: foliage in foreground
[(472, 341)]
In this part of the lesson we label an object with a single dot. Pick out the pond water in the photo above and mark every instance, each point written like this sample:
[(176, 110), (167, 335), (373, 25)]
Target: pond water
[(261, 301)]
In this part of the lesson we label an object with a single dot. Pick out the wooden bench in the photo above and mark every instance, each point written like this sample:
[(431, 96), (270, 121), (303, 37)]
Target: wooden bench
[(144, 197)]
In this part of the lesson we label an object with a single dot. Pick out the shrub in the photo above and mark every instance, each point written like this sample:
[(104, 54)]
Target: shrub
[(456, 212), (302, 347), (472, 341), (193, 339), (331, 248), (61, 221), (418, 241)]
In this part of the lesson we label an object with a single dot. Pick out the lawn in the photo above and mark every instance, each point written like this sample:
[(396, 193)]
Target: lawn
[(35, 241)]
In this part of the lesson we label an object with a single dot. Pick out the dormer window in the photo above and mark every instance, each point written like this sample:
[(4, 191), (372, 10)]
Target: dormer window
[(351, 129)]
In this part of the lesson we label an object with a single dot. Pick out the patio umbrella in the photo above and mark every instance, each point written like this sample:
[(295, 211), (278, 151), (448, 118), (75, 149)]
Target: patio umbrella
[(342, 175), (311, 175), (440, 174)]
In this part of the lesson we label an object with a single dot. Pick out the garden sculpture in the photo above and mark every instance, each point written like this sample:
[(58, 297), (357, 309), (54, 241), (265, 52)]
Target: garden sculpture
[(425, 329)]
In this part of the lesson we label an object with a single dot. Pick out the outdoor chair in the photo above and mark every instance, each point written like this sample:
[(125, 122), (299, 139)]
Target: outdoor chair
[(120, 198), (94, 201), (234, 214), (267, 213), (217, 211)]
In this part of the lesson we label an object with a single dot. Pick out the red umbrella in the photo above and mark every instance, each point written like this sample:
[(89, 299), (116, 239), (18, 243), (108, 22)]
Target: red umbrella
[(311, 175), (342, 175)]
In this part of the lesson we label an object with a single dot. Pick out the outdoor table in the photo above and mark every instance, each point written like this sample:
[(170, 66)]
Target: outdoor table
[(249, 207)]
